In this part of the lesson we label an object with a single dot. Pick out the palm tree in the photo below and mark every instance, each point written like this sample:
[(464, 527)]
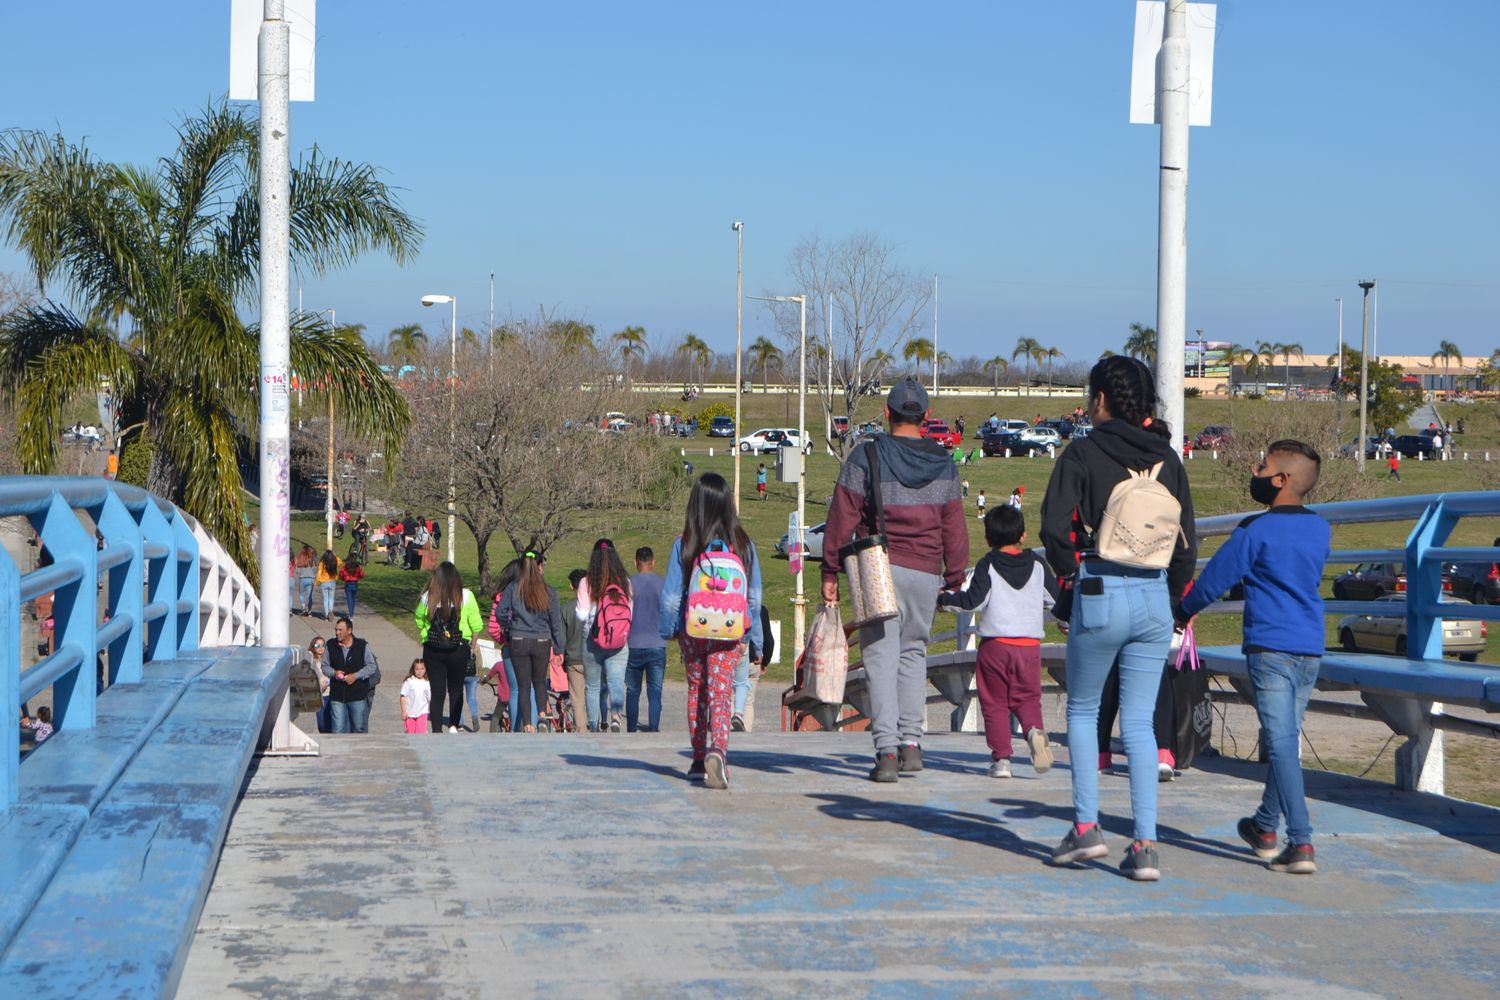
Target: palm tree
[(632, 341), (881, 360), (1142, 343), (997, 364), (1447, 351), (177, 247), (1026, 347), (468, 340), (697, 353), (762, 353), (1266, 357), (406, 342), (1239, 354), (1106, 353), (1051, 354), (1286, 351), (918, 350), (572, 335)]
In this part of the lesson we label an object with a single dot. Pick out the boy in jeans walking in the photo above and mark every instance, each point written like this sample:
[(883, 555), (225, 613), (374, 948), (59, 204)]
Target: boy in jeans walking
[(1279, 556), (1009, 589)]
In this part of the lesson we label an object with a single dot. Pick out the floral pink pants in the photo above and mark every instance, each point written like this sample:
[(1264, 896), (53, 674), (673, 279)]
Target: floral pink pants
[(710, 676)]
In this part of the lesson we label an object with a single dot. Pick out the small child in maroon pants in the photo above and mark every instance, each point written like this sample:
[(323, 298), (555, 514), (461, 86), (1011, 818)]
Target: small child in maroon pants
[(1009, 590)]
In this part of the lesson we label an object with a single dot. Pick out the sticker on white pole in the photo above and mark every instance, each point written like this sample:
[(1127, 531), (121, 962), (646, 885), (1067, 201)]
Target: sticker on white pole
[(1150, 21), (794, 543), (245, 18)]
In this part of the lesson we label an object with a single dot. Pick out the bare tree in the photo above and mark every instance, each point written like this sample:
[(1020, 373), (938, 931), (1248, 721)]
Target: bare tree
[(528, 453), (877, 304)]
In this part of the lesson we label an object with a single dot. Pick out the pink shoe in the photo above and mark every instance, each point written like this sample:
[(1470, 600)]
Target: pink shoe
[(1106, 761)]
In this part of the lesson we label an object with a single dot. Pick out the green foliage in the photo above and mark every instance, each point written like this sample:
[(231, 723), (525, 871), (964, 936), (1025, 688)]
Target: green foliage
[(718, 408), (1192, 392), (135, 460), (1390, 402), (1255, 395)]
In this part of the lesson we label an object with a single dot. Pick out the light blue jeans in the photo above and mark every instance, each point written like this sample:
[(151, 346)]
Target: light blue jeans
[(471, 695), (326, 590), (1130, 617), (608, 667), (742, 682), (1282, 684)]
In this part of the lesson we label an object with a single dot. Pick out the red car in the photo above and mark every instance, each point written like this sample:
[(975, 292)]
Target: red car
[(940, 432)]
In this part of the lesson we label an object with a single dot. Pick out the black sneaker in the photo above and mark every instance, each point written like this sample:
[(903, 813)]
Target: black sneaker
[(1297, 859), (716, 773), (696, 771), (1140, 864), (885, 769), (1076, 847), (736, 724), (1260, 841), (909, 757)]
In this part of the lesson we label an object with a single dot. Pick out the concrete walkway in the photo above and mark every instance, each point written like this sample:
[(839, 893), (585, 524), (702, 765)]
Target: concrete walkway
[(582, 866)]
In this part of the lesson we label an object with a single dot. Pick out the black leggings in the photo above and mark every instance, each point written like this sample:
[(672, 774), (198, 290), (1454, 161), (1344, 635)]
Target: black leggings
[(530, 658), (445, 675), (1109, 707)]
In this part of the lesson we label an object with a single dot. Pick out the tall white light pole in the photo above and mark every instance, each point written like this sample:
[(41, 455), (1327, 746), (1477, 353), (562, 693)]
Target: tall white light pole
[(275, 329), (438, 300), (1338, 384), (1364, 375), (935, 351), (1171, 242), (333, 321), (491, 349), (739, 316), (799, 602)]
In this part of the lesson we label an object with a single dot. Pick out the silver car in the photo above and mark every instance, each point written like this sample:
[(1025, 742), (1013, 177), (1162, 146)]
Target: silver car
[(1462, 637), (812, 538)]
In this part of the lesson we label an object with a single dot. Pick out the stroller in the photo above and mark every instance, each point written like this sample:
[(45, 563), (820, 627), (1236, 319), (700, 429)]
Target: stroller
[(558, 717)]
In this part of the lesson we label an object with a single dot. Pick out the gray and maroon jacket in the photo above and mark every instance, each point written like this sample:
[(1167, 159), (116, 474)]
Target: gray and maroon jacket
[(924, 514)]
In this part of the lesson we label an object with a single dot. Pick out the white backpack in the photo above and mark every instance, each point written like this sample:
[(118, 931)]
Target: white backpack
[(1142, 522)]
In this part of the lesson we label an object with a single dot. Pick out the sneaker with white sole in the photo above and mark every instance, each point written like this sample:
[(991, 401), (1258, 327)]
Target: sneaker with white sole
[(1297, 859), (1076, 847), (1041, 752), (716, 773), (1140, 863), (1164, 772), (1262, 842), (999, 769)]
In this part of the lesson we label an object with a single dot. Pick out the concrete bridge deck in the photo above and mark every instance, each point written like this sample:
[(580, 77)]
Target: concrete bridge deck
[(580, 865)]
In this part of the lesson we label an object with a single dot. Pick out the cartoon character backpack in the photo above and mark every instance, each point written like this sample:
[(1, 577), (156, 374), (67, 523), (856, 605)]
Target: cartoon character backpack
[(718, 599)]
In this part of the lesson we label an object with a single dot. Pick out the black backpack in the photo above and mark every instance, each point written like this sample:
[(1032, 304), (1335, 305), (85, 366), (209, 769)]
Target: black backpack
[(443, 632)]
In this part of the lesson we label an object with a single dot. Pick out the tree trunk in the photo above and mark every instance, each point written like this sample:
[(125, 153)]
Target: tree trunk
[(482, 543)]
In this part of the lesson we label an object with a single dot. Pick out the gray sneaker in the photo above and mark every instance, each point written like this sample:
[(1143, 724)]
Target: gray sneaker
[(999, 769), (1075, 847), (1140, 864), (909, 758), (1041, 753)]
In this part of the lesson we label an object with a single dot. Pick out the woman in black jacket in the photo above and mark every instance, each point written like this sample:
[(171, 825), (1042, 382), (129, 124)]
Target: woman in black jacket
[(1121, 606)]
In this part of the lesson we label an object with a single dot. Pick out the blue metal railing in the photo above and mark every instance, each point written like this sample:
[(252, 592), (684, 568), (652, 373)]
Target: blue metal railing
[(152, 562)]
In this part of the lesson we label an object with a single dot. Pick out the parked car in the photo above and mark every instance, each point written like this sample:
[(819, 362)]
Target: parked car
[(1412, 445), (999, 443), (1373, 581), (721, 427), (1372, 447), (1478, 583), (1064, 428), (840, 427), (939, 431), (1465, 638), (1041, 437), (1214, 436), (812, 538), (769, 440)]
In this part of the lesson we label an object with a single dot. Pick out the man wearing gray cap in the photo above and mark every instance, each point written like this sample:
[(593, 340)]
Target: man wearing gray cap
[(928, 541)]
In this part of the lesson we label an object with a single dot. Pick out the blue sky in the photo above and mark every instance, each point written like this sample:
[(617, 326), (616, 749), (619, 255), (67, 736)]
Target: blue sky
[(594, 155)]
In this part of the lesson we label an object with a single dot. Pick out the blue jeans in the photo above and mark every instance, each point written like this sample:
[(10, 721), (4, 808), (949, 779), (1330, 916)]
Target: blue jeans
[(650, 663), (1130, 619), (350, 716), (304, 590), (326, 589), (471, 695), (1282, 684), (742, 682), (608, 667), (516, 693), (350, 589)]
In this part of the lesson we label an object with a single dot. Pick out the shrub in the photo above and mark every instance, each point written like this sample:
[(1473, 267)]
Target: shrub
[(718, 408), (135, 461), (1192, 392), (1254, 395)]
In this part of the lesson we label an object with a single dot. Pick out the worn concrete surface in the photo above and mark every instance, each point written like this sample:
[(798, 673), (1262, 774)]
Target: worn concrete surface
[(443, 866)]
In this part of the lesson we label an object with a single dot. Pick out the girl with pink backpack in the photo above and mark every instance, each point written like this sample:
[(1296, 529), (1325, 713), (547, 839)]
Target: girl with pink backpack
[(710, 602), (604, 607)]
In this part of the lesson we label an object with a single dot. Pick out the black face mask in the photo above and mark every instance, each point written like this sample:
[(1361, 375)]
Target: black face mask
[(1262, 490)]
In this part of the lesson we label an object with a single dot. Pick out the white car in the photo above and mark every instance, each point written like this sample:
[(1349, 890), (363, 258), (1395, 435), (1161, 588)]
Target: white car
[(1042, 437), (812, 538), (768, 440)]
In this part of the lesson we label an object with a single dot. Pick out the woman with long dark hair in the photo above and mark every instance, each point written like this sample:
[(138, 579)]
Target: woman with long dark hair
[(327, 576), (531, 618), (1121, 607), (604, 599), (447, 622), (710, 663)]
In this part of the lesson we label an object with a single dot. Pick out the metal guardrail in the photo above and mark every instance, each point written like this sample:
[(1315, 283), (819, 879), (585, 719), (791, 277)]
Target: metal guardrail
[(131, 552)]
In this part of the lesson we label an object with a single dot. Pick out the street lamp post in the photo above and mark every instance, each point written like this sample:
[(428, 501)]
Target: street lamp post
[(1364, 375), (1338, 385), (739, 315), (799, 602), (333, 322), (438, 300)]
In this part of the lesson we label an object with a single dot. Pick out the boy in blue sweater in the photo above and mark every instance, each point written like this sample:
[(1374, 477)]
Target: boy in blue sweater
[(1279, 556)]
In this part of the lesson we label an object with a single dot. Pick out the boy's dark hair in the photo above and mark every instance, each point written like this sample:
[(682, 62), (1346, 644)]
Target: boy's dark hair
[(44, 714), (1003, 525), (644, 554), (1307, 475), (576, 576)]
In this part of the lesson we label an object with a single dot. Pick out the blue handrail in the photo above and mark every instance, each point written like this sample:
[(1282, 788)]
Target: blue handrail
[(141, 547)]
